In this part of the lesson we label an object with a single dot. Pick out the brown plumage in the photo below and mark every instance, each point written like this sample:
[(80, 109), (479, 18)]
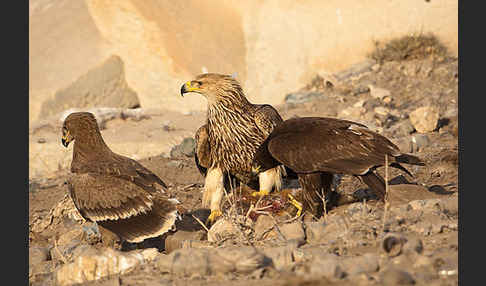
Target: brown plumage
[(234, 130), (112, 190), (317, 147)]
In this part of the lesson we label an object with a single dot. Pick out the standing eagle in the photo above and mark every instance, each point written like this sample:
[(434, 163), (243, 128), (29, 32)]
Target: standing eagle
[(228, 141), (316, 148), (116, 192)]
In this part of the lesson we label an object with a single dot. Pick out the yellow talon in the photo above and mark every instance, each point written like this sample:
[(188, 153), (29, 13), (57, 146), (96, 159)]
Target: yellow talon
[(212, 217), (296, 204), (259, 194)]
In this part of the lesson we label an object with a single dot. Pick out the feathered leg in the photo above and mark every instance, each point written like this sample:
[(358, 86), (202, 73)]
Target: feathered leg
[(213, 193), (268, 180)]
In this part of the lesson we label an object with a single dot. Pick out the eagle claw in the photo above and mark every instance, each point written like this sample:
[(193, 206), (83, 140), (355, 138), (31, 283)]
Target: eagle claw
[(212, 217), (296, 204), (259, 193)]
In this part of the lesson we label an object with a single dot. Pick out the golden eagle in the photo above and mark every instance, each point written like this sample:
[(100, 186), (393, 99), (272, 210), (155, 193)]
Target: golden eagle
[(116, 192), (234, 130), (315, 148)]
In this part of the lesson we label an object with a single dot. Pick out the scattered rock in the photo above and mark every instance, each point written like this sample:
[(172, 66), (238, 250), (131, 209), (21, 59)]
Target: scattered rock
[(393, 276), (303, 96), (419, 141), (352, 113), (264, 228), (293, 231), (38, 254), (379, 93), (103, 86), (282, 256), (402, 128), (186, 148), (41, 140), (425, 118), (393, 244), (96, 264), (200, 262), (184, 239), (366, 263), (222, 229), (356, 70)]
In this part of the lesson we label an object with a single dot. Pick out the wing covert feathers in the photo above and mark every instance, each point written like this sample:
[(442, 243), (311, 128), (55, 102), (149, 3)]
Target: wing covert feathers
[(121, 206)]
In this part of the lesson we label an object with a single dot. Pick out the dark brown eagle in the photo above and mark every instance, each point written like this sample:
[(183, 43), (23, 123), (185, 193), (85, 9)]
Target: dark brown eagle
[(315, 148), (116, 192), (228, 141)]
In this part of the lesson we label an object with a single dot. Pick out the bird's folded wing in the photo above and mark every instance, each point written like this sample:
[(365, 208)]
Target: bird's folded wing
[(333, 148), (101, 197), (203, 149), (128, 169), (267, 118)]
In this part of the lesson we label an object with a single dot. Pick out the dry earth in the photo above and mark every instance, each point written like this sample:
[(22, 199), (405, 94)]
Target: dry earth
[(414, 240)]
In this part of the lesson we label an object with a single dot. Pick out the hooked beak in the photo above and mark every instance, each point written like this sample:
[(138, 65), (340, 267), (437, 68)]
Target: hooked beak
[(66, 139), (186, 87), (255, 170)]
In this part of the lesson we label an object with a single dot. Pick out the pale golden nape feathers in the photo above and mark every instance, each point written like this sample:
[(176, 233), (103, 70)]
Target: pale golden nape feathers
[(113, 190)]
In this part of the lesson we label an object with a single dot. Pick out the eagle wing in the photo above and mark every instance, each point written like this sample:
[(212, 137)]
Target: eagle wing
[(203, 150), (267, 118), (124, 168), (329, 145), (100, 197)]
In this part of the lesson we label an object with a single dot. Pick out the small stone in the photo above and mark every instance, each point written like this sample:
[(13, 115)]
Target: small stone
[(282, 257), (352, 113), (380, 93), (38, 254), (41, 140), (366, 263), (300, 97), (419, 141), (393, 276), (327, 266), (425, 119), (180, 239), (381, 110), (201, 262), (393, 244), (96, 264), (222, 229), (264, 227), (293, 231)]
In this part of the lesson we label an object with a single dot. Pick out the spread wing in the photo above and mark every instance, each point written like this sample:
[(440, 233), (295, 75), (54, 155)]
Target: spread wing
[(329, 145), (267, 118), (203, 150), (100, 197), (124, 168)]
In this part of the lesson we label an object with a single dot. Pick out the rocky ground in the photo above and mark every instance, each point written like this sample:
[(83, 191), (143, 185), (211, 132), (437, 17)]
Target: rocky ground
[(410, 239)]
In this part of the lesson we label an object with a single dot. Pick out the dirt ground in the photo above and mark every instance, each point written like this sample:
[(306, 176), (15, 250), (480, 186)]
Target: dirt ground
[(421, 208)]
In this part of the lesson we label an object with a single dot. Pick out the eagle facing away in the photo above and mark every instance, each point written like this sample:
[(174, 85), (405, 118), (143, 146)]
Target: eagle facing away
[(228, 141), (115, 191), (315, 148)]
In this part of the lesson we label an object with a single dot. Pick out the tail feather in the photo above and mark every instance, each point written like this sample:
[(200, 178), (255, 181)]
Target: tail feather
[(376, 183), (409, 159), (146, 225)]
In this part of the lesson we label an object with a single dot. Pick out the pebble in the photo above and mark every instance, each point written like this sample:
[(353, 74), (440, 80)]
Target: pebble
[(263, 228), (38, 254), (419, 141), (184, 239), (222, 229), (300, 97), (201, 262), (393, 276), (96, 264), (379, 93), (425, 118), (293, 231), (366, 263)]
